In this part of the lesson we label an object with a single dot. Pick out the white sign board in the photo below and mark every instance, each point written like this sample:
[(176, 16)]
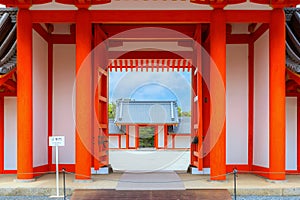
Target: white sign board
[(56, 141)]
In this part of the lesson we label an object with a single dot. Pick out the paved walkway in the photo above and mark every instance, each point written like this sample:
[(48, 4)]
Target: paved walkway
[(149, 160), (246, 184), (157, 161), (150, 181)]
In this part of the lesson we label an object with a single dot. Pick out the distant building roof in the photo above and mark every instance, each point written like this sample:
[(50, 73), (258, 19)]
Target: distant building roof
[(114, 129), (183, 127), (146, 112)]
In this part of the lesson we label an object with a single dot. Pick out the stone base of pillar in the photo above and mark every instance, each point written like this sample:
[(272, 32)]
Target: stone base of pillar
[(24, 180)]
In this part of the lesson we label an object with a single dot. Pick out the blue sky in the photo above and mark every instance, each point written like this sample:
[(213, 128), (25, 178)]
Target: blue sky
[(151, 86)]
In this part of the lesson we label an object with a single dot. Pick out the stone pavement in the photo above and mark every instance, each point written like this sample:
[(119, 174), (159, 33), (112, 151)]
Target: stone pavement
[(246, 184), (151, 161)]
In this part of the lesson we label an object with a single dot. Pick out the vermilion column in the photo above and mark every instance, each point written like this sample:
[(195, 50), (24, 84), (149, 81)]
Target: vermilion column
[(84, 91), (24, 100), (199, 110), (1, 135), (277, 95), (218, 56), (250, 102)]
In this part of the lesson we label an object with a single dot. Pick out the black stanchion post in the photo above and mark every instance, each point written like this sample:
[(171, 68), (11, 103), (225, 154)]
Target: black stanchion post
[(64, 181), (234, 181)]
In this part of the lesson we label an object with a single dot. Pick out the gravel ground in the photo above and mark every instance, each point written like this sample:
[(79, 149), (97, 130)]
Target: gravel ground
[(68, 198)]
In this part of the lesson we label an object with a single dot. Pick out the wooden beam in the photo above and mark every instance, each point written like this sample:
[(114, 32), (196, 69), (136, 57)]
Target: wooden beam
[(261, 30), (238, 39), (63, 39), (150, 54), (247, 16), (41, 31), (11, 85)]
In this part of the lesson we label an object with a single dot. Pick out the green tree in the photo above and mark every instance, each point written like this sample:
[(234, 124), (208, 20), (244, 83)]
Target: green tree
[(183, 113), (179, 111), (111, 110)]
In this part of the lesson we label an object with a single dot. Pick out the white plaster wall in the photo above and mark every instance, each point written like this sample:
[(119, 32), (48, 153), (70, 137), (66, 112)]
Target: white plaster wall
[(40, 100), (113, 142), (169, 141), (132, 136), (291, 133), (161, 137), (123, 141), (63, 112), (182, 141), (237, 104), (261, 101), (10, 133)]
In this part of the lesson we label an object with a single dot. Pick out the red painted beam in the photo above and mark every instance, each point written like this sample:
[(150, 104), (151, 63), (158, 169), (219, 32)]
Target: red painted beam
[(261, 30), (63, 39), (41, 31), (151, 16), (53, 16), (248, 16), (238, 39), (149, 55), (113, 29)]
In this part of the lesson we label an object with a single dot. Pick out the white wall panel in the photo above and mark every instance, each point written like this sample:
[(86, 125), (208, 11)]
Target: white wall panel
[(169, 141), (10, 133), (237, 104), (132, 136), (182, 141), (123, 141), (291, 133), (113, 142), (161, 137), (261, 101), (63, 110), (40, 100)]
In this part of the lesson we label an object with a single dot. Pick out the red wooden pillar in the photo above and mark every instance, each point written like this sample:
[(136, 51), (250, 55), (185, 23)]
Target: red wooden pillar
[(83, 95), (250, 104), (1, 135), (50, 97), (193, 147), (127, 137), (277, 95), (218, 56), (165, 136), (137, 137), (199, 102), (206, 103), (24, 100)]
